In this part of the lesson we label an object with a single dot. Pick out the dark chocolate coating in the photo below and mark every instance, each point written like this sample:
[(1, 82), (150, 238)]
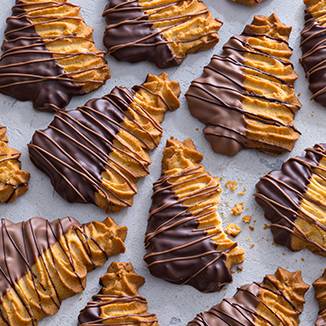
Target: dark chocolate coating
[(280, 192), (28, 70), (24, 242), (176, 249), (74, 150), (130, 36), (313, 41), (216, 98)]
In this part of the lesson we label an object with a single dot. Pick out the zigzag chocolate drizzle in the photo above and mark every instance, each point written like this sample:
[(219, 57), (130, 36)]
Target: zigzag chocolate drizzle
[(131, 34), (313, 41), (178, 248), (30, 71), (103, 135), (217, 98), (250, 305), (38, 263), (280, 193)]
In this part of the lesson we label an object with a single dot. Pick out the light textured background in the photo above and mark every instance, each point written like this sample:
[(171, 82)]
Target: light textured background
[(175, 305)]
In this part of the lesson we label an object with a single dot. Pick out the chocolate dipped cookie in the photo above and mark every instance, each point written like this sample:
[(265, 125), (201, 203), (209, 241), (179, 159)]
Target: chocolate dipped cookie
[(313, 41), (185, 242), (118, 302), (13, 180), (320, 293), (43, 263), (97, 152), (246, 96), (294, 201), (278, 300), (49, 54), (162, 32)]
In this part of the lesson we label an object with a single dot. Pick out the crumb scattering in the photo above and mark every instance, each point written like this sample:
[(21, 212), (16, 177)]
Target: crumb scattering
[(232, 185), (233, 229), (246, 219), (237, 209)]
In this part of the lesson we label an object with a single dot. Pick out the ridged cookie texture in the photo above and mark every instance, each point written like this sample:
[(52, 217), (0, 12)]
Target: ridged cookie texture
[(320, 293), (294, 200), (160, 31), (246, 96), (13, 180), (49, 54), (118, 302), (97, 152), (276, 301), (44, 262), (185, 242), (313, 41)]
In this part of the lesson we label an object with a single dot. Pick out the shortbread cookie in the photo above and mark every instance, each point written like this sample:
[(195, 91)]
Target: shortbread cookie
[(320, 293), (246, 96), (313, 41), (43, 263), (118, 302), (49, 54), (185, 242), (294, 200), (276, 301), (162, 32), (97, 152), (13, 180)]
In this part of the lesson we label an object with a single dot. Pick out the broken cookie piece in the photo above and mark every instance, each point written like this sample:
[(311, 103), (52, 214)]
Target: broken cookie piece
[(246, 96), (118, 302), (44, 262), (97, 152), (162, 32), (294, 198), (320, 294), (49, 54), (313, 40), (13, 180), (185, 242), (278, 300)]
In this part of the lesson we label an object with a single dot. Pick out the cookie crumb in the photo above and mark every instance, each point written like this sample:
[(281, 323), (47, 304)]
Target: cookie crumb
[(242, 192), (233, 229), (251, 228), (232, 185), (237, 209), (252, 246), (246, 219)]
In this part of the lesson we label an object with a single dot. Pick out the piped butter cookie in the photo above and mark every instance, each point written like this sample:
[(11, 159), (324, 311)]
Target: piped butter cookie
[(185, 242), (294, 201), (13, 180), (43, 263), (97, 152), (313, 41), (162, 32), (118, 302), (246, 96), (278, 300), (320, 293), (49, 54)]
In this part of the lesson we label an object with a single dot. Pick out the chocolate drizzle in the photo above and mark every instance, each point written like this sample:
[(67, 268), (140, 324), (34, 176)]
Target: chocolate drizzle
[(313, 41), (80, 145), (131, 34), (280, 194), (118, 302), (217, 97), (248, 307), (28, 70), (178, 248)]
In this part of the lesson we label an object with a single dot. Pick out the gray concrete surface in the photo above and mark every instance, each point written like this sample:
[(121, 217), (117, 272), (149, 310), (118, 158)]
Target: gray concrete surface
[(175, 305)]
